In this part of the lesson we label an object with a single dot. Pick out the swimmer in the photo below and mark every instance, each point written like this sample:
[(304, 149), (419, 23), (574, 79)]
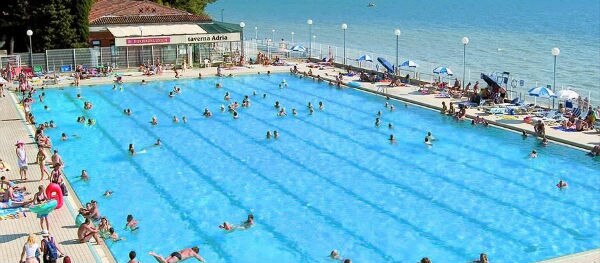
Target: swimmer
[(114, 87), (275, 134), (309, 105), (282, 112), (562, 185), (249, 222), (276, 104), (387, 104), (46, 107), (226, 226), (222, 108), (184, 119), (392, 139), (52, 125), (84, 175), (226, 97), (179, 256), (63, 137), (107, 193), (254, 93), (157, 143), (321, 106), (131, 149), (113, 235), (334, 254), (533, 154), (235, 115), (430, 137), (377, 122), (311, 111), (378, 113), (175, 119), (132, 224), (390, 126), (523, 134), (392, 108), (264, 95), (268, 134), (171, 94), (218, 85), (144, 82), (294, 112), (544, 141), (427, 141), (91, 122), (207, 113), (154, 121)]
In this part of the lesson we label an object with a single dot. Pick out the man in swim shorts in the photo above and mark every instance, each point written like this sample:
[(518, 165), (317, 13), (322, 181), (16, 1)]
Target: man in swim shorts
[(178, 256)]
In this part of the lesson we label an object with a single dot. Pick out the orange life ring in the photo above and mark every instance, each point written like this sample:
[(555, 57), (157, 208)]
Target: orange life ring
[(53, 191)]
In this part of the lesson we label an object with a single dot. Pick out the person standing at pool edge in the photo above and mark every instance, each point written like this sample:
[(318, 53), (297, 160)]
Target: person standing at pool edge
[(21, 159)]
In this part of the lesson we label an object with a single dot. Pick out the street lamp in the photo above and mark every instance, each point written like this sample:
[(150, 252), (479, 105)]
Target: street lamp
[(242, 25), (555, 52), (256, 33), (397, 33), (344, 27), (269, 48), (30, 33), (309, 22), (273, 34), (465, 41), (292, 37), (222, 14)]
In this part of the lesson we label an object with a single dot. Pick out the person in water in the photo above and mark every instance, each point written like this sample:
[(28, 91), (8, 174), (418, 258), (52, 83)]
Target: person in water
[(378, 113), (277, 105), (154, 121), (427, 141), (268, 134), (430, 137), (275, 134), (131, 149), (179, 256), (533, 154), (235, 114), (561, 185), (249, 222), (334, 254), (207, 113), (157, 143), (84, 175), (523, 134), (390, 126), (321, 106), (377, 122), (226, 226), (282, 112), (392, 139), (132, 224), (64, 137), (175, 119)]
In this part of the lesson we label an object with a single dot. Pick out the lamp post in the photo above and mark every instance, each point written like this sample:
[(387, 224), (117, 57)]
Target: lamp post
[(344, 27), (242, 25), (397, 33), (269, 48), (555, 52), (309, 22), (222, 14), (256, 33), (30, 33), (273, 35), (465, 41), (292, 38)]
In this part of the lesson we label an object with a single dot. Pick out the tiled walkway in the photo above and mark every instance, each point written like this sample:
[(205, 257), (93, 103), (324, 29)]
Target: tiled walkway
[(14, 232)]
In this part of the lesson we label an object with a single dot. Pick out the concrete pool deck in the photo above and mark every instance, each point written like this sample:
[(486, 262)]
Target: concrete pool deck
[(63, 219)]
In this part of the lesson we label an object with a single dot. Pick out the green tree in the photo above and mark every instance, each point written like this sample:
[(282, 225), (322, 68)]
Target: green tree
[(53, 24), (192, 6), (81, 11)]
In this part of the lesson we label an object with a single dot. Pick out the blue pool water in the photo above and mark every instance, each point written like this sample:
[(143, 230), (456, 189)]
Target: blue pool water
[(331, 181)]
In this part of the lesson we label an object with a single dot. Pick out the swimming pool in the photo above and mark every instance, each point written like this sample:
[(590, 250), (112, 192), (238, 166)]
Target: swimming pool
[(331, 181)]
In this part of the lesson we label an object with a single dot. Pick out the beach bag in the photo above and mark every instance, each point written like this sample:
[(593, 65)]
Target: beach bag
[(51, 249)]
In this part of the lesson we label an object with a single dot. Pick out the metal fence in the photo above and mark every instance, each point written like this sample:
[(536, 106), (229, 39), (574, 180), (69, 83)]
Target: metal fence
[(66, 60)]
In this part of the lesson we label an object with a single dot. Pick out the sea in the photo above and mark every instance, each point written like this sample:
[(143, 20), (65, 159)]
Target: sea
[(512, 36)]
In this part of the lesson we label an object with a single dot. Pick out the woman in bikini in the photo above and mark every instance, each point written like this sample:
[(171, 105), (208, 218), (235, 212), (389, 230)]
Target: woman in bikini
[(41, 160), (39, 198)]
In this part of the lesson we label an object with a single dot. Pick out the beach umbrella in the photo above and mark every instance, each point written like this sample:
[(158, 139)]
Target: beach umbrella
[(567, 94), (386, 64), (364, 58), (541, 92), (409, 63), (443, 70), (491, 82)]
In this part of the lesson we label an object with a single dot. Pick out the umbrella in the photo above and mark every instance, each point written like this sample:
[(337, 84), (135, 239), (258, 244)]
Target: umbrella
[(567, 94), (386, 64), (443, 70), (410, 64), (491, 82), (364, 58), (298, 48), (541, 92)]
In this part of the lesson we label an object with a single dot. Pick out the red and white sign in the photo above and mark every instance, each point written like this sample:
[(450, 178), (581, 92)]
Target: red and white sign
[(146, 41)]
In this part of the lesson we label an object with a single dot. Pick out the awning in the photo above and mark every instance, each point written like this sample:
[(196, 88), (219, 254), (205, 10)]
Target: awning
[(221, 28), (156, 30)]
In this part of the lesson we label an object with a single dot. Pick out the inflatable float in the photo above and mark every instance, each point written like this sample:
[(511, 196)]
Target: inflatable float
[(44, 208), (53, 191)]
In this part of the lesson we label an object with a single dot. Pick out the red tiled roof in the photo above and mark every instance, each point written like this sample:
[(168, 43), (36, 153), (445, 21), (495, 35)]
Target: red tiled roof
[(106, 12)]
